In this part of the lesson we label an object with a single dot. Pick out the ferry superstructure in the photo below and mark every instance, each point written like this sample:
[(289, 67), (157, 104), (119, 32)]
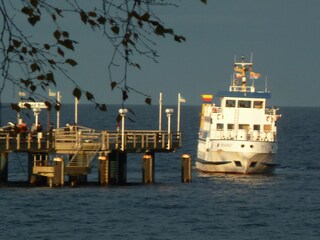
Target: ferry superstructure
[(240, 135)]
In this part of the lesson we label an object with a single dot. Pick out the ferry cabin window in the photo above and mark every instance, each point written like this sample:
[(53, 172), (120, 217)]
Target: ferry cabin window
[(230, 103), (256, 127), (267, 128), (219, 126), (244, 126), (230, 126), (244, 104), (257, 104)]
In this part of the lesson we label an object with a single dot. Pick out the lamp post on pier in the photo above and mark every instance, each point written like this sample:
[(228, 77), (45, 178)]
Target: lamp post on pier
[(122, 112), (169, 112)]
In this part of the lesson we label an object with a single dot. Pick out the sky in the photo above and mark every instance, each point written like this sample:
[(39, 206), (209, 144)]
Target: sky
[(282, 35)]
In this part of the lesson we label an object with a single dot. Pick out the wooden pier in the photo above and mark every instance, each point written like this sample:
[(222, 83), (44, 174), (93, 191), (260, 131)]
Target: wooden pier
[(73, 150)]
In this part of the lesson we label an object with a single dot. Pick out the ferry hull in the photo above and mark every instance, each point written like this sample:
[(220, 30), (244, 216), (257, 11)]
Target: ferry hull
[(236, 162)]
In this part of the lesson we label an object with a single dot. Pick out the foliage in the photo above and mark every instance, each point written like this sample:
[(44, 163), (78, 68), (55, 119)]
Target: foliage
[(129, 25)]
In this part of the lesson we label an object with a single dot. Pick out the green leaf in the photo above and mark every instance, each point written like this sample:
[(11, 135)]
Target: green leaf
[(24, 50), (103, 107), (145, 17), (57, 34), (179, 38), (67, 43), (102, 20), (27, 10), (60, 52), (77, 93), (46, 46), (15, 106), (65, 34), (92, 14), (41, 77), (57, 107), (148, 100), (84, 17), (89, 96), (34, 3), (27, 105), (71, 62), (124, 95), (50, 77), (33, 88), (16, 43), (52, 62), (58, 11), (115, 29), (48, 104), (34, 67), (113, 85), (34, 19)]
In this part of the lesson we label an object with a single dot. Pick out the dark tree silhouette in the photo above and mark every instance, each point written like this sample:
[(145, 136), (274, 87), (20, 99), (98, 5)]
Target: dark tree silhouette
[(129, 25)]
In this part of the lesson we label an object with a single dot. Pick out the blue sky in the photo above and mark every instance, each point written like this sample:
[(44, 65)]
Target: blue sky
[(284, 36)]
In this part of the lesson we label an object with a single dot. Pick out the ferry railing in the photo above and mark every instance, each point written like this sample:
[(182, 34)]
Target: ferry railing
[(235, 88), (244, 135)]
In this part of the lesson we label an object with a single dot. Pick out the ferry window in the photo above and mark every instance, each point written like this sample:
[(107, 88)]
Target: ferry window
[(244, 126), (267, 128), (256, 127), (230, 126), (219, 126), (244, 104), (230, 103), (257, 104)]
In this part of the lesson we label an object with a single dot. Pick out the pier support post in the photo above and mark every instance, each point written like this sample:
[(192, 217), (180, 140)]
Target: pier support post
[(186, 168), (148, 168), (58, 179), (103, 170), (3, 167), (117, 167), (39, 159)]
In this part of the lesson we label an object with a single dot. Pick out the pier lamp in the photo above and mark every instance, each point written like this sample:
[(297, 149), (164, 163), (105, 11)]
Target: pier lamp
[(169, 112), (122, 112)]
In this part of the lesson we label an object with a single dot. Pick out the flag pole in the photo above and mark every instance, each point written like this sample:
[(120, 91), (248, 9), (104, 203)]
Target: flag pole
[(160, 111), (178, 117)]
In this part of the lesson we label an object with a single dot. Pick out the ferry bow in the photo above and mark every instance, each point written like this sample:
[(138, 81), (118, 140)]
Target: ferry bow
[(240, 135)]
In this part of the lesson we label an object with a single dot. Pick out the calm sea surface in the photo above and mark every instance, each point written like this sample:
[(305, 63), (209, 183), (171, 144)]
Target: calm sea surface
[(285, 205)]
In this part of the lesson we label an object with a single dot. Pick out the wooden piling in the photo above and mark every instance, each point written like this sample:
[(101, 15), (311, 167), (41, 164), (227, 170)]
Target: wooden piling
[(58, 179), (3, 167), (186, 168), (117, 167), (148, 168), (103, 170)]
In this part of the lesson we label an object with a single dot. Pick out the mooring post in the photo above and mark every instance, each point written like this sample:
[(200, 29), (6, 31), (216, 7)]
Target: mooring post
[(113, 167), (148, 168), (103, 170), (58, 179), (122, 167), (117, 167), (186, 167), (3, 167)]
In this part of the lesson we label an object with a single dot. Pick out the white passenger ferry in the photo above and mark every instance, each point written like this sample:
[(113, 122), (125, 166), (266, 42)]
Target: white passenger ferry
[(240, 135)]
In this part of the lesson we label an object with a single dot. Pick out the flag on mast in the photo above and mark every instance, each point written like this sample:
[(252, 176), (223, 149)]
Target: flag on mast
[(182, 99)]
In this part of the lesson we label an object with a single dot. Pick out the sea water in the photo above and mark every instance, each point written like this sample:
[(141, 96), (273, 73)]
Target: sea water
[(284, 205)]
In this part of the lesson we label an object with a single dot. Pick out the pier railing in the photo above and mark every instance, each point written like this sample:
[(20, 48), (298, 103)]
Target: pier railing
[(62, 141), (131, 141)]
